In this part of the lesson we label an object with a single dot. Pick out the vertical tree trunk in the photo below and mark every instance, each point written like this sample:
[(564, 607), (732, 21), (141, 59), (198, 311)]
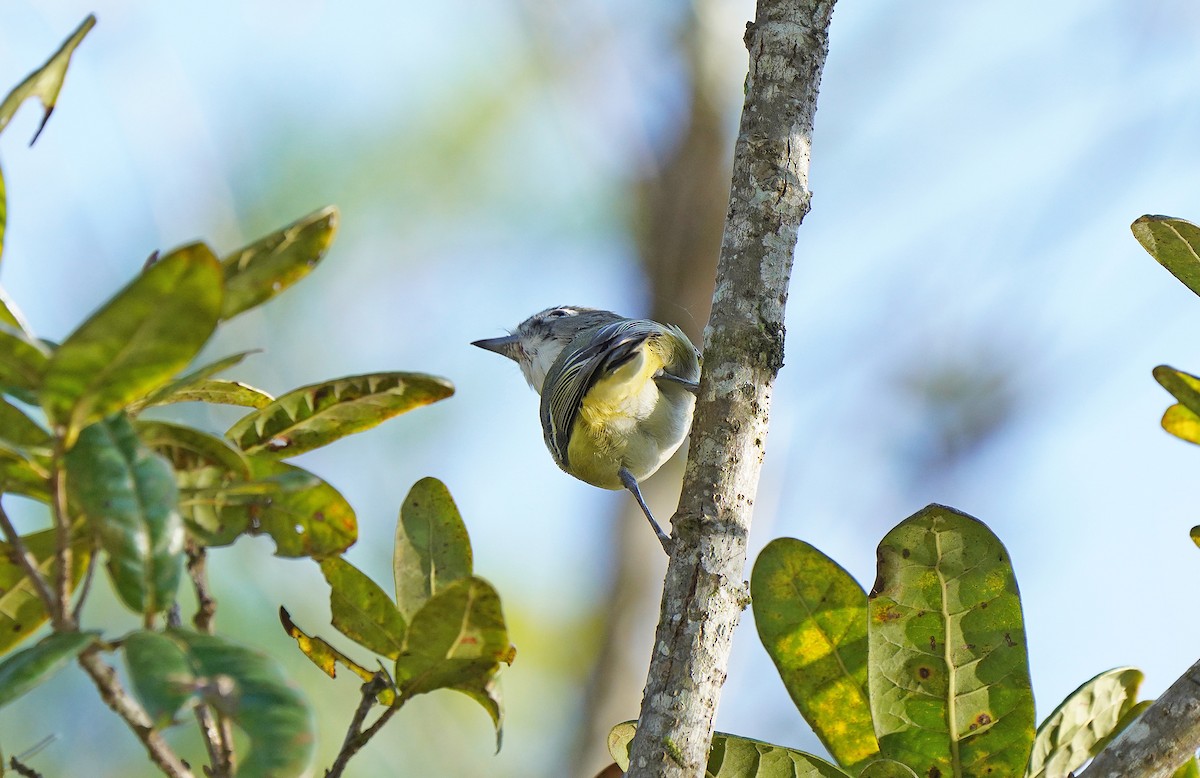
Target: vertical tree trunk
[(704, 593)]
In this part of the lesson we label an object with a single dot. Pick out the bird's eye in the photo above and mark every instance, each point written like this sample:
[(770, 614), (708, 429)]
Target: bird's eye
[(558, 313)]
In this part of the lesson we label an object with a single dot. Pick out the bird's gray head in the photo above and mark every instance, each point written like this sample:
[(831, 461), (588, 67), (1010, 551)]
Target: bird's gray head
[(537, 341)]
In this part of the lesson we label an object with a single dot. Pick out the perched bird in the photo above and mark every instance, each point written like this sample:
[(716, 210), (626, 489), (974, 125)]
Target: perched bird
[(617, 394)]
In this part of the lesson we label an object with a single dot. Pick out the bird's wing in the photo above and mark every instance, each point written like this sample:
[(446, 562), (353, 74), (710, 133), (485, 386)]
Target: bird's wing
[(577, 369)]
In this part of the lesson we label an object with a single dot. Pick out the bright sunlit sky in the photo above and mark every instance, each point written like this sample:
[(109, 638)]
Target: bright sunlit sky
[(975, 167)]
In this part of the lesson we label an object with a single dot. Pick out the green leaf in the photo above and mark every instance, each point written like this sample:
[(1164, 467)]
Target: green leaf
[(361, 610), (187, 448), (1189, 769), (194, 383), (736, 757), (949, 673), (886, 768), (1182, 423), (21, 609), (129, 496), (322, 654), (19, 431), (220, 392), (1195, 535), (1184, 387), (1073, 733), (161, 674), (26, 669), (45, 82), (263, 704), (432, 546), (23, 362), (316, 415), (314, 522), (812, 619), (266, 267), (1175, 243), (148, 332), (26, 475), (456, 641)]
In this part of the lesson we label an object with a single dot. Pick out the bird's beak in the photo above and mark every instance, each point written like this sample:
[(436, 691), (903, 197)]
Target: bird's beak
[(507, 346)]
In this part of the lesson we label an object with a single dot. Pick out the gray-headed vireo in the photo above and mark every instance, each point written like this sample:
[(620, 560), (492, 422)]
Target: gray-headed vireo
[(617, 394)]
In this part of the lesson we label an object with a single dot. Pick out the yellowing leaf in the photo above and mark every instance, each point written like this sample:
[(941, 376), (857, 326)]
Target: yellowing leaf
[(21, 609), (1175, 243), (1078, 727), (949, 672), (812, 619), (361, 610), (266, 267), (45, 82), (322, 654), (316, 415)]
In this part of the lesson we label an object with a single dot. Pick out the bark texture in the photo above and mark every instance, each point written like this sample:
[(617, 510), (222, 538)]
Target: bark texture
[(704, 592), (1165, 736)]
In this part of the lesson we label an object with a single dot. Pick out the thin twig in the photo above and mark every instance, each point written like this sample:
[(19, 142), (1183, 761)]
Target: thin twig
[(131, 711), (206, 604), (62, 525), (88, 574), (356, 736), (28, 561), (215, 726)]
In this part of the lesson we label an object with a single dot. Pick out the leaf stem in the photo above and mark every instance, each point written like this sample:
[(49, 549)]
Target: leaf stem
[(63, 619)]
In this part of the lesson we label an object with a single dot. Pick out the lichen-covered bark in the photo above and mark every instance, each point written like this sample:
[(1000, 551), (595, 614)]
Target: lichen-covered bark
[(1165, 736), (704, 592)]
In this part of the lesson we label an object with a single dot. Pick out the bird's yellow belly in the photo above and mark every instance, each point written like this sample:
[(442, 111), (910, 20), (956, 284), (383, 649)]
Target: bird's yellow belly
[(635, 424)]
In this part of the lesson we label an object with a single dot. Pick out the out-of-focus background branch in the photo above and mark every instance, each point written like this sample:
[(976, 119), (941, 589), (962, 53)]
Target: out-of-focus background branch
[(972, 322)]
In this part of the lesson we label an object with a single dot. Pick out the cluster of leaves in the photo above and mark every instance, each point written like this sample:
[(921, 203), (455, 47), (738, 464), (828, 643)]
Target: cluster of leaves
[(145, 496), (444, 630), (928, 675)]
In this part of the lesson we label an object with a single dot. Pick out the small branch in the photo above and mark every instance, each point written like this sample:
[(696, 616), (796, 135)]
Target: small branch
[(86, 586), (214, 726), (26, 560), (206, 604), (356, 737), (134, 715), (62, 524), (704, 594), (1165, 736)]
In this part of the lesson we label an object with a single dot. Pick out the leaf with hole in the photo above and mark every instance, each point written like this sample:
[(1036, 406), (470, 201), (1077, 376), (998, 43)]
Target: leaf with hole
[(271, 264), (29, 667), (263, 703), (1175, 243), (432, 547), (129, 496), (45, 82), (949, 672), (361, 610), (1077, 728), (316, 415), (315, 521), (731, 756), (811, 616), (134, 344), (21, 609)]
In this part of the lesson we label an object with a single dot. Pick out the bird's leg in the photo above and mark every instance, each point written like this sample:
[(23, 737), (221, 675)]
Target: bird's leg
[(631, 484), (691, 386)]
